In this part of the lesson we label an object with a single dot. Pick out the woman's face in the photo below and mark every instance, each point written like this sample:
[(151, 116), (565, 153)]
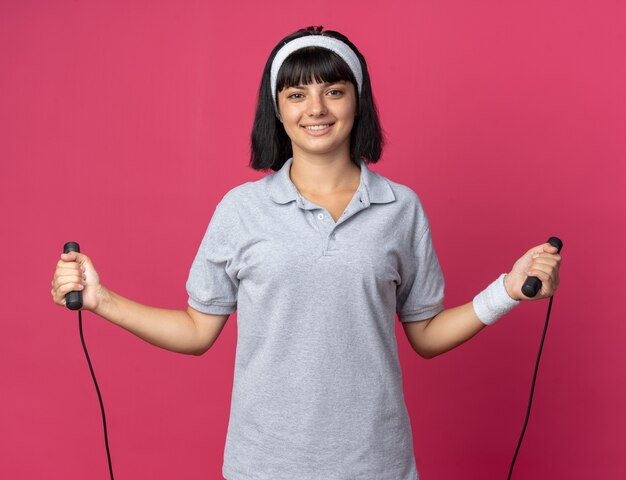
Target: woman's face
[(318, 117)]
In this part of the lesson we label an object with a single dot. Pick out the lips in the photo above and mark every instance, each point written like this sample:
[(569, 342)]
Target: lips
[(318, 129)]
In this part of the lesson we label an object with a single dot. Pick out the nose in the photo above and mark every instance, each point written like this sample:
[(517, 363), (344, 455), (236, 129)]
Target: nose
[(316, 106)]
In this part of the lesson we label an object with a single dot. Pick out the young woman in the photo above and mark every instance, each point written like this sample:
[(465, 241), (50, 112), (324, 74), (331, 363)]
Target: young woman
[(317, 258)]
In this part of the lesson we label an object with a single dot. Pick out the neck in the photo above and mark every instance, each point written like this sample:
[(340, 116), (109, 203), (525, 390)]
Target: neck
[(323, 175)]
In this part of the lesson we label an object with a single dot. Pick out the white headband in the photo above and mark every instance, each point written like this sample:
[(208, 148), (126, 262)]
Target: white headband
[(330, 43)]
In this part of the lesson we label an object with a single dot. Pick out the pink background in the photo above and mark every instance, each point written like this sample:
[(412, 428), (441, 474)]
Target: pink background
[(124, 123)]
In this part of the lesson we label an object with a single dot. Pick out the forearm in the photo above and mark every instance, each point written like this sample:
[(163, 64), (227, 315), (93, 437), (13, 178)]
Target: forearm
[(454, 326), (173, 330), (449, 329)]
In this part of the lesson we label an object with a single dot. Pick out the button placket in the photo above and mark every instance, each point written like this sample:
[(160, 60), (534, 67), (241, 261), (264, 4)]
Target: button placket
[(324, 222), (328, 248), (325, 226)]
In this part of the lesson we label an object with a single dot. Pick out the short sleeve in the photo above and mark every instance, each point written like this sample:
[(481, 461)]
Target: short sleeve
[(420, 294), (212, 284)]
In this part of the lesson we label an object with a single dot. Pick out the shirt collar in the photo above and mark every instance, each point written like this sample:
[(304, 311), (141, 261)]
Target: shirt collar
[(374, 188)]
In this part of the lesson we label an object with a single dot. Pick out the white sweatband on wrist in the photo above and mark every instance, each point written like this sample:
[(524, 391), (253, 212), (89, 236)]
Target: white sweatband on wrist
[(493, 302)]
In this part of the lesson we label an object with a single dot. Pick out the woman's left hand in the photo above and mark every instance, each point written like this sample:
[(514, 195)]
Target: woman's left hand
[(542, 262)]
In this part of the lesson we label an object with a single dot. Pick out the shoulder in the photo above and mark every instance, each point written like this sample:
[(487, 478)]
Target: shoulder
[(408, 209), (406, 198), (404, 193), (241, 194), (246, 201)]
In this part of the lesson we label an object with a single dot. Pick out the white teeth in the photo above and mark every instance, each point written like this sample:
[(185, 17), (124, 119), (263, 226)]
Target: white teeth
[(317, 127)]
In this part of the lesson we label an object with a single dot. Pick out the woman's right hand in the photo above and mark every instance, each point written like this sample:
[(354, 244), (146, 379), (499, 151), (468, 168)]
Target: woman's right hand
[(191, 332), (75, 271)]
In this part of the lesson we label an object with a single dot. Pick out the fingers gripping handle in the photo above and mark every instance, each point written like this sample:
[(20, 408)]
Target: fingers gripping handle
[(532, 284), (73, 300)]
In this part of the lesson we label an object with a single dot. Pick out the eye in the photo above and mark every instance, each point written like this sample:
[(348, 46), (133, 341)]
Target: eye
[(295, 96), (335, 92)]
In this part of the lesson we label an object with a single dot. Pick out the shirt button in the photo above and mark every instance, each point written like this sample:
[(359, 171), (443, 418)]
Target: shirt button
[(320, 216)]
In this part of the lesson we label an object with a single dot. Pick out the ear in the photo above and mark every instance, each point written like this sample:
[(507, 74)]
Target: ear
[(277, 109)]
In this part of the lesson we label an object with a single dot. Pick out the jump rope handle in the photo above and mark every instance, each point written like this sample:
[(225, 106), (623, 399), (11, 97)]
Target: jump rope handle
[(532, 284), (73, 300)]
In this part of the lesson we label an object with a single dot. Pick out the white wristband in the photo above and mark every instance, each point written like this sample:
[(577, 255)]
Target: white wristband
[(493, 302)]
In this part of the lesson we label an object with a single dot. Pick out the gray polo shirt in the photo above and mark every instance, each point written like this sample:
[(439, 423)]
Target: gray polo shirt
[(317, 389)]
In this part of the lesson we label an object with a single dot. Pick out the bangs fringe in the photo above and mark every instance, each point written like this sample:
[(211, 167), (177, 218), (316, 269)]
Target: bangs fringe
[(313, 64)]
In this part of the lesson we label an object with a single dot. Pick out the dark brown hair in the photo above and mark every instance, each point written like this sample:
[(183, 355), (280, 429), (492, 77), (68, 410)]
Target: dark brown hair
[(270, 145)]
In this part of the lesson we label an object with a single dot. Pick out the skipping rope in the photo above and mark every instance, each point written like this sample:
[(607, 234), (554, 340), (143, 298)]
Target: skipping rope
[(532, 388), (74, 301), (95, 382), (530, 288)]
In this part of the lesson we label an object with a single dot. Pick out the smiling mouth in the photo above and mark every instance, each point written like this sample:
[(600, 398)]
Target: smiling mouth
[(317, 128)]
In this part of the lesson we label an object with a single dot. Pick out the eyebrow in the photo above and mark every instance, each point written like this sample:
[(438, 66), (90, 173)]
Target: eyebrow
[(326, 84)]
